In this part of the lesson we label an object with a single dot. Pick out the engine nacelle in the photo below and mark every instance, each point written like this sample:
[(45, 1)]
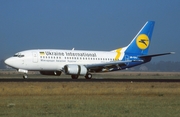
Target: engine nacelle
[(75, 69), (54, 73)]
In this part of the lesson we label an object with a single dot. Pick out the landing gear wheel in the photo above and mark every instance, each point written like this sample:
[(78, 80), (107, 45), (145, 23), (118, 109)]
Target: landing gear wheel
[(74, 76), (88, 76), (25, 76)]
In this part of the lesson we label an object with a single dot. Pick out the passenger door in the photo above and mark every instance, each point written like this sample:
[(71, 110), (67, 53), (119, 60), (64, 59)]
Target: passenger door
[(34, 57)]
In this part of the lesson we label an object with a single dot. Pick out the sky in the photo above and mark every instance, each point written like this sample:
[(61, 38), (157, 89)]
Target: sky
[(87, 24)]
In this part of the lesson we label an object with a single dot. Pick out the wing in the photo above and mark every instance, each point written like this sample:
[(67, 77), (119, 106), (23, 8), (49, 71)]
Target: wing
[(109, 66)]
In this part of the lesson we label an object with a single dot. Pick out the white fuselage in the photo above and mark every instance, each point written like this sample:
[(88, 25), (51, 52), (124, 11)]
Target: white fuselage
[(52, 59)]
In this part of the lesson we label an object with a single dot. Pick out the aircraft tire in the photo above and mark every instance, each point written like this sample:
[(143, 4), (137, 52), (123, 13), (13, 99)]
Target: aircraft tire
[(25, 76), (88, 76), (74, 76)]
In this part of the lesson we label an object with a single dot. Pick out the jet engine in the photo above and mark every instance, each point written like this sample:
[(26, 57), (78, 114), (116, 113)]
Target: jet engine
[(75, 69), (54, 73)]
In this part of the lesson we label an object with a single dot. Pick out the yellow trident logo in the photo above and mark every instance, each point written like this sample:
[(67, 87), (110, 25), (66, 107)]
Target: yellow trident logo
[(142, 41)]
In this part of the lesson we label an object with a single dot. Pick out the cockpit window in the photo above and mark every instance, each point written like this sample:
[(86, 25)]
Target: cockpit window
[(18, 55), (21, 56), (15, 55)]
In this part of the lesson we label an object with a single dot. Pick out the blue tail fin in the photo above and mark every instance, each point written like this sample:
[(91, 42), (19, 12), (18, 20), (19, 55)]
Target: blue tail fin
[(141, 42)]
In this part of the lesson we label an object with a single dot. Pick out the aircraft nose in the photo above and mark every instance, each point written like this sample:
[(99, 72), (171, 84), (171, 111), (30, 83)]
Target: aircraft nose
[(8, 61)]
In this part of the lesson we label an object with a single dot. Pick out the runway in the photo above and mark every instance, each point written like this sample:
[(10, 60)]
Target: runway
[(85, 80)]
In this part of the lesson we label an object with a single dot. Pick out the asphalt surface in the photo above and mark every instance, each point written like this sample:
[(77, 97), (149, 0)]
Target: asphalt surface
[(85, 80)]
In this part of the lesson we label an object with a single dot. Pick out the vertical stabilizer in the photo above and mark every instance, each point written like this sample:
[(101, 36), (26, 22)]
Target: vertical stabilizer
[(141, 42)]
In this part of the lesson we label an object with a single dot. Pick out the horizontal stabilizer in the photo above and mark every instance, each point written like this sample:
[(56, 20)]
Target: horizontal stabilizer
[(154, 55)]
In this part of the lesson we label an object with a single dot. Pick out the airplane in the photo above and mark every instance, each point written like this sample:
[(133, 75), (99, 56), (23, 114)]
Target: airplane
[(84, 62)]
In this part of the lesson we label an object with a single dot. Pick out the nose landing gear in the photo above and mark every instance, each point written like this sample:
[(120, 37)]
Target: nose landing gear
[(25, 73), (25, 76)]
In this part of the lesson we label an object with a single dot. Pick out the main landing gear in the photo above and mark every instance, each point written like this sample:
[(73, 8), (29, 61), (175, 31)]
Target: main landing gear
[(74, 76), (87, 76)]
